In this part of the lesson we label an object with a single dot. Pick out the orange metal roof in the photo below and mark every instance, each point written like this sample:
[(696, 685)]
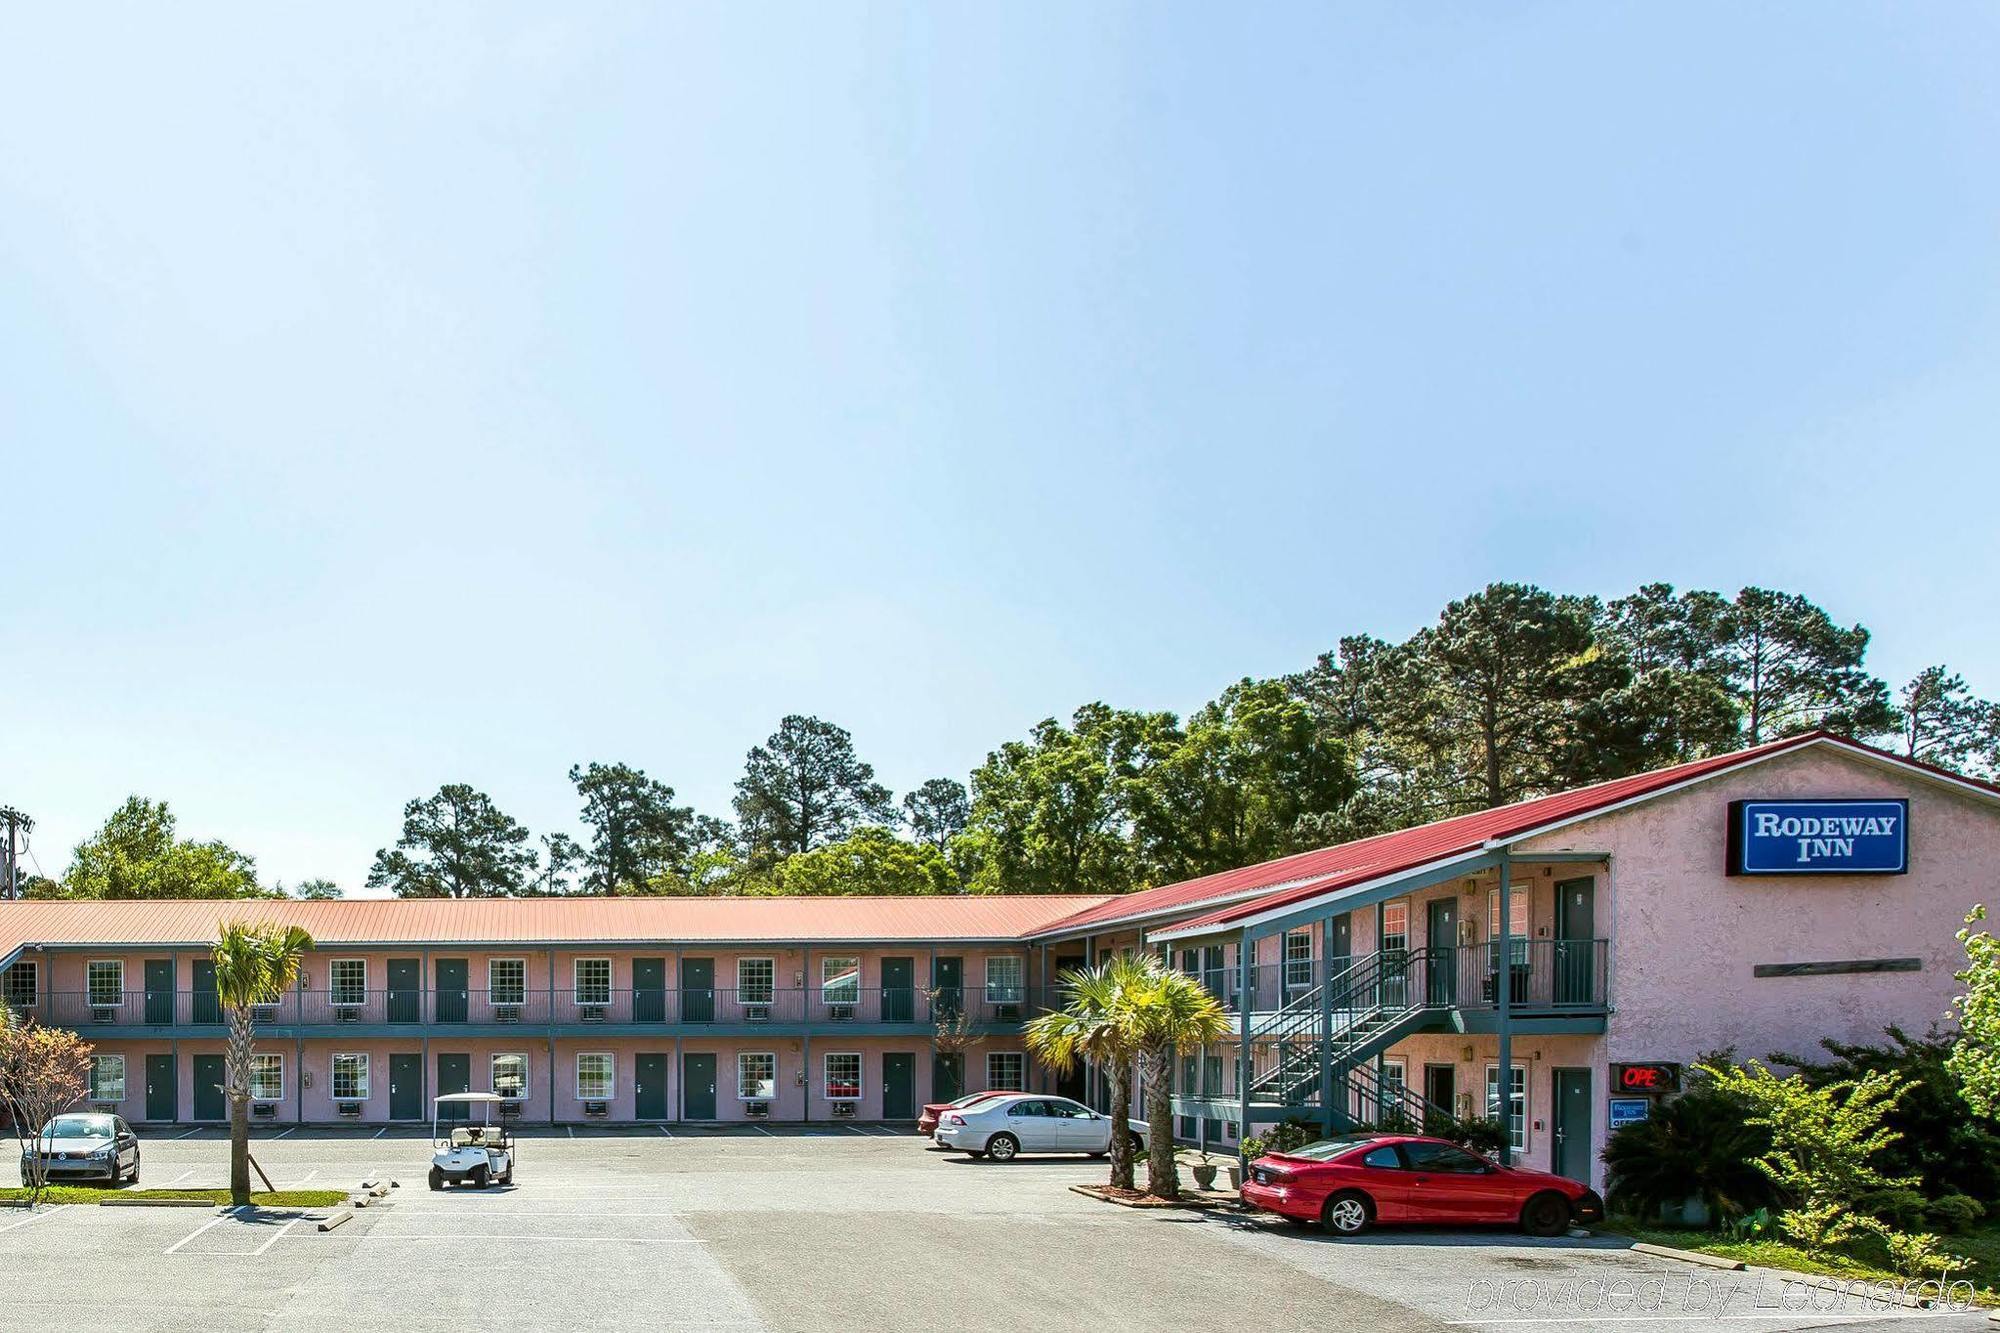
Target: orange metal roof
[(555, 921), (1216, 900)]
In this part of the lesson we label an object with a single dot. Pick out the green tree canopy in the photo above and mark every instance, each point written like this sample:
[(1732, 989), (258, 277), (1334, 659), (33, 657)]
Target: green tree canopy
[(1793, 669), (1243, 782), (137, 855), (870, 860), (804, 788), (456, 844), (637, 833), (1942, 723), (937, 812)]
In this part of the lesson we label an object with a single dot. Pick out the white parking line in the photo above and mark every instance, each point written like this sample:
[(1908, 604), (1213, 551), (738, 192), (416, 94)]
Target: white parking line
[(190, 1134), (275, 1239), (854, 1129), (570, 1130), (212, 1222), (380, 1132), (31, 1217), (583, 1240), (282, 1133), (668, 1132), (301, 1180), (765, 1132), (179, 1178)]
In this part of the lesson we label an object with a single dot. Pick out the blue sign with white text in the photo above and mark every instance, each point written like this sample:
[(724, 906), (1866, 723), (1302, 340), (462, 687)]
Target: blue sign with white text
[(1819, 837), (1629, 1111)]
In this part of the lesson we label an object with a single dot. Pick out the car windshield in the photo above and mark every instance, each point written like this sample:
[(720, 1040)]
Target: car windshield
[(1325, 1148), (80, 1127)]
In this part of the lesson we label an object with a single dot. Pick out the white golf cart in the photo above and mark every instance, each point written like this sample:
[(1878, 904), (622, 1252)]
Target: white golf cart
[(469, 1154)]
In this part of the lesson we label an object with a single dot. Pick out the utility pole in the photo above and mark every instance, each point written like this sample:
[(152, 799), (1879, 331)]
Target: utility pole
[(17, 824)]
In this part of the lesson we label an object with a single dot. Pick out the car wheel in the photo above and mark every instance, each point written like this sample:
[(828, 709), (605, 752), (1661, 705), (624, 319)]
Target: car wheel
[(1094, 1156), (479, 1177), (437, 1179), (1002, 1147), (1346, 1214), (1547, 1214), (134, 1177), (116, 1176), (1138, 1147)]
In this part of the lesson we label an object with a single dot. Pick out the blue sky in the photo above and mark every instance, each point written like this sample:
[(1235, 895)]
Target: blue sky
[(391, 399)]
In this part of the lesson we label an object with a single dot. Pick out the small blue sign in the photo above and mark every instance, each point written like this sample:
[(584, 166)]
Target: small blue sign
[(1819, 837), (1629, 1111)]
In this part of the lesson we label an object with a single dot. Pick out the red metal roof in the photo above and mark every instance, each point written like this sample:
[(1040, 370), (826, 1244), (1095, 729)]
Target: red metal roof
[(1233, 894), (555, 921)]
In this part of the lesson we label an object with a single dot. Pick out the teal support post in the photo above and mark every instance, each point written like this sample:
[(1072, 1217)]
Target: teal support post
[(1244, 953), (1326, 1026), (1504, 983)]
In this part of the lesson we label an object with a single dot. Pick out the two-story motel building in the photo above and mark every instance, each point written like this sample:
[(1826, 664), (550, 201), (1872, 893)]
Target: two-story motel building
[(1588, 943)]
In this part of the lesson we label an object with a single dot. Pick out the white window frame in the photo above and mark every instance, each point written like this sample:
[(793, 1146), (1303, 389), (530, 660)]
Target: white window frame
[(362, 1072), (334, 987), (762, 993), (590, 995), (11, 989), (1390, 910), (610, 1076), (995, 1083), (1018, 987), (743, 1096), (1402, 1077), (259, 1066), (520, 993), (826, 1076), (842, 989), (1519, 908), (90, 986), (97, 1080), (493, 1073), (1519, 1142), (1302, 977)]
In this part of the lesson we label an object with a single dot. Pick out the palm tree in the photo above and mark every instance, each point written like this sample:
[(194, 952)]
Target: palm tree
[(1096, 1027), (1173, 1014), (253, 965)]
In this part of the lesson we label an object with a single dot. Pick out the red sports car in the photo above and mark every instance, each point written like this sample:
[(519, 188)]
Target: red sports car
[(927, 1123), (1350, 1183)]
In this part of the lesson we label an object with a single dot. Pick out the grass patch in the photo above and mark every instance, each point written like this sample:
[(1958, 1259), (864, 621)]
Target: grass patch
[(1981, 1246), (94, 1194)]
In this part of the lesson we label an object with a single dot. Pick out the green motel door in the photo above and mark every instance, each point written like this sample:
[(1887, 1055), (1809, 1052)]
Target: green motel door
[(899, 1086), (698, 1086), (454, 1075), (406, 1086), (1572, 1135), (209, 1101), (162, 1090), (649, 1087)]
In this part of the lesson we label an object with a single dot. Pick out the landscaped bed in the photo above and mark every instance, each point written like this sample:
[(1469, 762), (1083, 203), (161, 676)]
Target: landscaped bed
[(1981, 1246), (94, 1194)]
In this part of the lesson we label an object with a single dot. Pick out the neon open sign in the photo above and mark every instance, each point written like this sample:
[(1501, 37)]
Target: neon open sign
[(1819, 837), (1645, 1079)]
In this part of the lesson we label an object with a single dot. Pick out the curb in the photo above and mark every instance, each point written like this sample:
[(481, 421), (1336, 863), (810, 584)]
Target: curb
[(1189, 1201), (1689, 1256), (154, 1203), (340, 1218)]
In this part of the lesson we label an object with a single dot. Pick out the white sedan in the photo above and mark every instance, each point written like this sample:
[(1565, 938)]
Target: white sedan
[(1004, 1127)]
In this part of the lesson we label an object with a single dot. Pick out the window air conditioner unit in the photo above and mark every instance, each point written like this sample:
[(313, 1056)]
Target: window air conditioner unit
[(104, 1104), (843, 1110), (840, 1013), (591, 1013), (756, 1013), (1007, 1012), (597, 1109), (510, 1110), (347, 1013), (103, 1013), (262, 1013), (506, 1013), (264, 1110), (757, 1110), (350, 1110)]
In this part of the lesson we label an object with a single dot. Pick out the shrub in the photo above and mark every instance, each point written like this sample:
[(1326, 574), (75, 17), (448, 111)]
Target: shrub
[(1281, 1138), (1486, 1134), (1700, 1145), (1943, 1141), (1954, 1212)]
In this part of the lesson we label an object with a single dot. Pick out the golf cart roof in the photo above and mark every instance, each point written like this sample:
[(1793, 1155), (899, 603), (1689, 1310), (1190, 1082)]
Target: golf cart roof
[(470, 1097)]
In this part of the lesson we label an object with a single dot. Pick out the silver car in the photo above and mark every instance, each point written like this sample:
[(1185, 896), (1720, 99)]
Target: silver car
[(86, 1146), (1004, 1127)]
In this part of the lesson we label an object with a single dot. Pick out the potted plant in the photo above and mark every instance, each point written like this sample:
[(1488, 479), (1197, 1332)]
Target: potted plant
[(1204, 1172)]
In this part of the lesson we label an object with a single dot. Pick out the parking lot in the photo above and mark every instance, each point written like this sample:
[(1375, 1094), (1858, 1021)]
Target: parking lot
[(836, 1226)]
